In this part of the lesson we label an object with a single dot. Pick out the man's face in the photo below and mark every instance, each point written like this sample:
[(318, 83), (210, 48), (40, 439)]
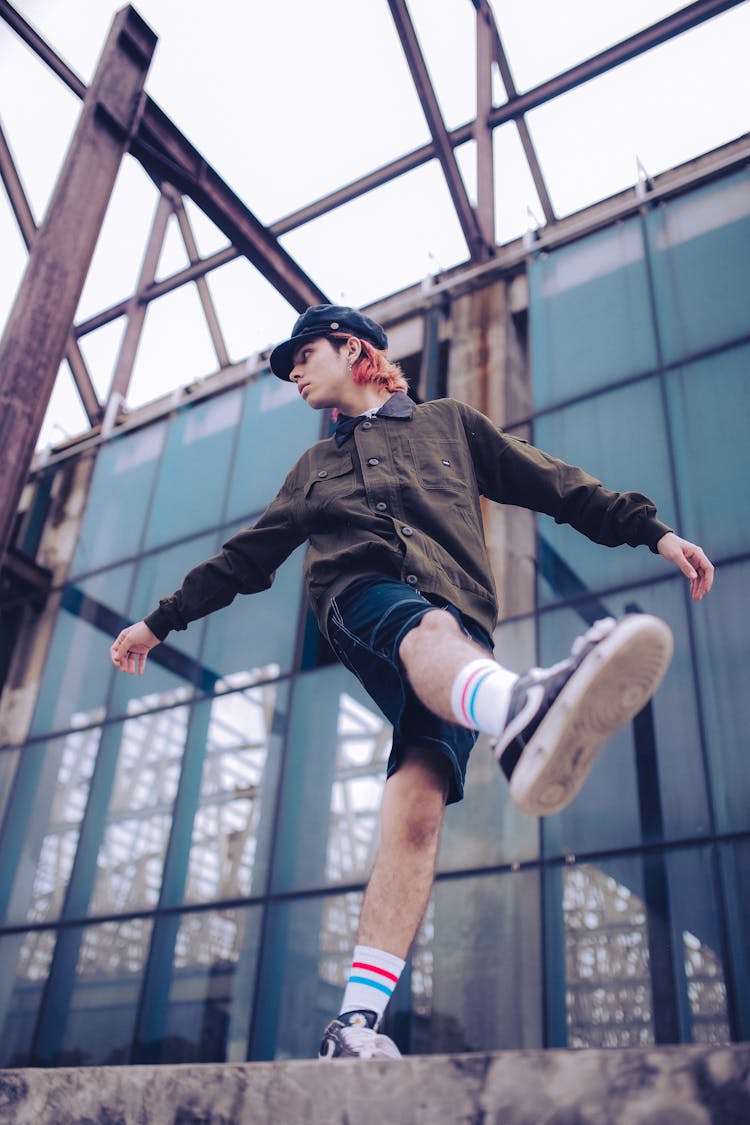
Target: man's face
[(321, 373)]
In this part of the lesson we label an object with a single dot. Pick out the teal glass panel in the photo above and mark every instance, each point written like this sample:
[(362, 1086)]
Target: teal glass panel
[(135, 835), (606, 813), (42, 825), (8, 763), (191, 488), (597, 951), (700, 979), (211, 987), (462, 993), (709, 406), (256, 635), (735, 865), (79, 670), (158, 576), (24, 965), (456, 993), (590, 315), (236, 800), (337, 751), (276, 429), (721, 626), (118, 499), (700, 246), (100, 1021), (618, 437)]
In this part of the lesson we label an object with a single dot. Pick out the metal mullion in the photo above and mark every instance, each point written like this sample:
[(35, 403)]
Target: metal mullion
[(209, 309), (467, 217)]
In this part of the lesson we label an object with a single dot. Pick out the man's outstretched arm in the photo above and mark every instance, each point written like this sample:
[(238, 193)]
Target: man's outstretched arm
[(691, 560)]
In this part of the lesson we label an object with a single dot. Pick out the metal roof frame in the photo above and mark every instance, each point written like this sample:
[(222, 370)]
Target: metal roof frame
[(180, 170)]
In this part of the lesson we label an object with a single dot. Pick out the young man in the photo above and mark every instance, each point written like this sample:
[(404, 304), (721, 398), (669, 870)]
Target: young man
[(399, 579)]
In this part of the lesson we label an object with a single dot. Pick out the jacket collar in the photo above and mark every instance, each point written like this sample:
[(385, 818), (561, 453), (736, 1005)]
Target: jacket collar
[(399, 405)]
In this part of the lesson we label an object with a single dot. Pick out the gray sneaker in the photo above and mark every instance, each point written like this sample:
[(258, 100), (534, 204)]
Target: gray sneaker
[(560, 717), (355, 1035)]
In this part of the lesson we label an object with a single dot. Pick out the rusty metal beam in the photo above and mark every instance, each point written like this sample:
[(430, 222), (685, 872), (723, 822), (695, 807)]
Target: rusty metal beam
[(204, 293), (27, 226), (39, 325), (479, 248), (513, 109), (486, 15), (627, 49), (482, 130), (167, 154), (136, 307)]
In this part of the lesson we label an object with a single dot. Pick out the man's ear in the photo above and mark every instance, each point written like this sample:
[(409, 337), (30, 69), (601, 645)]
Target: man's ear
[(353, 350)]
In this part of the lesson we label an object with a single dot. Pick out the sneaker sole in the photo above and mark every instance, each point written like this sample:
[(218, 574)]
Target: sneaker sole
[(611, 685)]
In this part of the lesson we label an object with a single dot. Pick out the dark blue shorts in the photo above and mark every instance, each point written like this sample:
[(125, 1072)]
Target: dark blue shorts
[(366, 625)]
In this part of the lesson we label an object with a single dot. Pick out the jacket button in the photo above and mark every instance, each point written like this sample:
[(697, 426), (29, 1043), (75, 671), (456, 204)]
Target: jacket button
[(407, 531), (323, 473), (373, 460), (381, 506), (412, 579), (367, 425)]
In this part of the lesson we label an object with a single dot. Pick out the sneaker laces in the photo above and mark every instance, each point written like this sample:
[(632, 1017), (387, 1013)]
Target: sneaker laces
[(366, 1042)]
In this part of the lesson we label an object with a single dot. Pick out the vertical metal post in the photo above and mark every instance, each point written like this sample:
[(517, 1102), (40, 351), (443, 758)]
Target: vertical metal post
[(482, 130), (34, 341)]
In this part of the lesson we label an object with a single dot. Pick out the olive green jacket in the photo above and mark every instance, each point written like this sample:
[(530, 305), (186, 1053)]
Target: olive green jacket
[(400, 498)]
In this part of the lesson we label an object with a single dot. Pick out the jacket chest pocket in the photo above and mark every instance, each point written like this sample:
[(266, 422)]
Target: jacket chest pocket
[(330, 482), (439, 465)]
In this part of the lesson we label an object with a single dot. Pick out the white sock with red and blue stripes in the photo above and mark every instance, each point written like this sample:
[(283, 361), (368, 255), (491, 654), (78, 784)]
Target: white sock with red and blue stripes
[(481, 694), (373, 977)]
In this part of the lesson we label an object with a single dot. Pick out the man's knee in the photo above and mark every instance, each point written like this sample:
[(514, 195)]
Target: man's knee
[(432, 627), (422, 781)]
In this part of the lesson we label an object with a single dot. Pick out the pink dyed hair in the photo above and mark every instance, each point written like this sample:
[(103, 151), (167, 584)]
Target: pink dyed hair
[(373, 365)]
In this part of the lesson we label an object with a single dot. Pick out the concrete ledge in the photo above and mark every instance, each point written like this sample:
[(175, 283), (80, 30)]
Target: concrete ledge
[(689, 1085)]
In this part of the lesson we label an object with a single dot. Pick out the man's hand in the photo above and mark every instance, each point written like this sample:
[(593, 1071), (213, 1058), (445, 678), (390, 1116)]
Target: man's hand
[(131, 648), (691, 560)]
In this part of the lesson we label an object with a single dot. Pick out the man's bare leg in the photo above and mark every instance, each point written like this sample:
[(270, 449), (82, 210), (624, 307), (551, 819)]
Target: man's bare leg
[(411, 818), (433, 653)]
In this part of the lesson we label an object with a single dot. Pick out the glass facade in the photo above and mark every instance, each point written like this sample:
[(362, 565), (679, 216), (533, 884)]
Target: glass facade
[(184, 854)]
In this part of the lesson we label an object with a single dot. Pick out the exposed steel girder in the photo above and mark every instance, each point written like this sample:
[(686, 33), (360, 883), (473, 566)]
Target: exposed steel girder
[(479, 248), (484, 12), (514, 108), (27, 226)]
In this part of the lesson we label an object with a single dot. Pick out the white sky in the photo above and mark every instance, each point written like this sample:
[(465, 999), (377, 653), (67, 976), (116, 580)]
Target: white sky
[(288, 99)]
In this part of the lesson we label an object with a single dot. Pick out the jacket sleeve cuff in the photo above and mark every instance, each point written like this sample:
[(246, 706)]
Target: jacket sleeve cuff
[(160, 623), (653, 531)]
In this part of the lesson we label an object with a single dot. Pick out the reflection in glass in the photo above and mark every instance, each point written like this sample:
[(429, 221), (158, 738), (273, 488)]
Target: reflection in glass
[(211, 992), (338, 747), (104, 998), (363, 746), (608, 985), (707, 992), (24, 964), (231, 830), (130, 860), (609, 996), (60, 773)]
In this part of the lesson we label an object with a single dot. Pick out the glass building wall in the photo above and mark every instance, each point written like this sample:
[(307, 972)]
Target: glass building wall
[(184, 854)]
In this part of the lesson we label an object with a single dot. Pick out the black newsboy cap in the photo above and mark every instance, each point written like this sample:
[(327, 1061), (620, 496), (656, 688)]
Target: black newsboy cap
[(322, 320)]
